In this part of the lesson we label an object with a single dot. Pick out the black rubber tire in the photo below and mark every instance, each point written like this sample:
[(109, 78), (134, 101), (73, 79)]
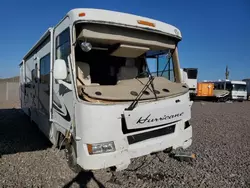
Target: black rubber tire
[(29, 115), (70, 152)]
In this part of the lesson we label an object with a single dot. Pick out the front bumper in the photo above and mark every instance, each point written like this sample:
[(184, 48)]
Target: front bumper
[(125, 151)]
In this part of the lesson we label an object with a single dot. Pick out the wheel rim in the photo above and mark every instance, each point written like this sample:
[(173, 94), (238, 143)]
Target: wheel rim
[(72, 158), (70, 155)]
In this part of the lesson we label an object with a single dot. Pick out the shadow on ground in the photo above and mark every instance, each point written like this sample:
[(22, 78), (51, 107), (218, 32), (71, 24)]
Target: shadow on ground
[(82, 179), (17, 134)]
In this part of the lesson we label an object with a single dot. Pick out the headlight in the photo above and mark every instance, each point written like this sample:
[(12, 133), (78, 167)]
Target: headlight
[(98, 148)]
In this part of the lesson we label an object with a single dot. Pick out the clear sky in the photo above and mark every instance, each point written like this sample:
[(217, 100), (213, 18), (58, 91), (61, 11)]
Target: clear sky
[(215, 33)]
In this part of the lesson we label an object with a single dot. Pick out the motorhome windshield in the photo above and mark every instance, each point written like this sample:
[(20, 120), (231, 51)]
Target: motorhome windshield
[(239, 87), (108, 54), (111, 56)]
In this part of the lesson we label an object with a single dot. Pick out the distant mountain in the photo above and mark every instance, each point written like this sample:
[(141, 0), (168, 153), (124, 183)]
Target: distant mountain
[(12, 79)]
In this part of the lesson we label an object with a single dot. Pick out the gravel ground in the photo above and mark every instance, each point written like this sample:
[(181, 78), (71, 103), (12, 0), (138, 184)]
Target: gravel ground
[(221, 141)]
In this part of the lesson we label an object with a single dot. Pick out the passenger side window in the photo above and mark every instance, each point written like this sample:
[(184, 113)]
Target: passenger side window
[(45, 69), (161, 66), (152, 66), (63, 49), (165, 63)]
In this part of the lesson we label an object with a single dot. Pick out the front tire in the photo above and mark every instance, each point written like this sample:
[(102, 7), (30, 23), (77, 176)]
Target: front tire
[(71, 156)]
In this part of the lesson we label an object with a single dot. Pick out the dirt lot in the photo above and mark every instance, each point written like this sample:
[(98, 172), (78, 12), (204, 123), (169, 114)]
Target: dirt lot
[(221, 140)]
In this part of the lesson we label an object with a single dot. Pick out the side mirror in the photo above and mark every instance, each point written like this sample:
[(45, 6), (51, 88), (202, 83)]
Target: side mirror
[(60, 69)]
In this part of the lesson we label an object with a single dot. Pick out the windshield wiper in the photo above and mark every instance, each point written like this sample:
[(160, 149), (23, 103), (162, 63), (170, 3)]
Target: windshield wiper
[(135, 102), (146, 86), (152, 84)]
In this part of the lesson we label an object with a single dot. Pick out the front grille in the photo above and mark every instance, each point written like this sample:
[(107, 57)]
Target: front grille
[(151, 134)]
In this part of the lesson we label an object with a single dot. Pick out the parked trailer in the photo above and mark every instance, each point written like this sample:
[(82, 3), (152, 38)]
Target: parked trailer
[(207, 91), (85, 84)]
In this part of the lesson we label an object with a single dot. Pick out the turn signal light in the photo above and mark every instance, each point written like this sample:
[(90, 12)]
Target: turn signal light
[(142, 22), (81, 14)]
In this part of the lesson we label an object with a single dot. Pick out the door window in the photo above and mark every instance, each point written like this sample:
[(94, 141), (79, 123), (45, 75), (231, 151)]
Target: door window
[(63, 49)]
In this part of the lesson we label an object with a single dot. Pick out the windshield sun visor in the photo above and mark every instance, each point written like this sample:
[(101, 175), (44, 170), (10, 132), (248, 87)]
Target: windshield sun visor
[(120, 35), (129, 51)]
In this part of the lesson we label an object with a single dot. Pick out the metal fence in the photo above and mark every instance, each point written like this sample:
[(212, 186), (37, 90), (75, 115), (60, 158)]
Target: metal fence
[(9, 92)]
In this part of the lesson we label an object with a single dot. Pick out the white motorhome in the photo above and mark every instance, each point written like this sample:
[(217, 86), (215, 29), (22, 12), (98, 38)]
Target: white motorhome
[(237, 89), (85, 84), (247, 80), (189, 76)]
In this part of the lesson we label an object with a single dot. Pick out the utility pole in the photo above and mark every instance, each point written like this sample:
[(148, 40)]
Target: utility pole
[(227, 76), (227, 73)]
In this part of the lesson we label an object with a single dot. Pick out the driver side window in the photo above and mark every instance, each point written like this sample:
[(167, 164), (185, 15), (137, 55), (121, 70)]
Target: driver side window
[(63, 49)]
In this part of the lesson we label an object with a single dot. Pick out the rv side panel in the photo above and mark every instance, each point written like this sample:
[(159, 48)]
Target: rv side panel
[(36, 68)]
